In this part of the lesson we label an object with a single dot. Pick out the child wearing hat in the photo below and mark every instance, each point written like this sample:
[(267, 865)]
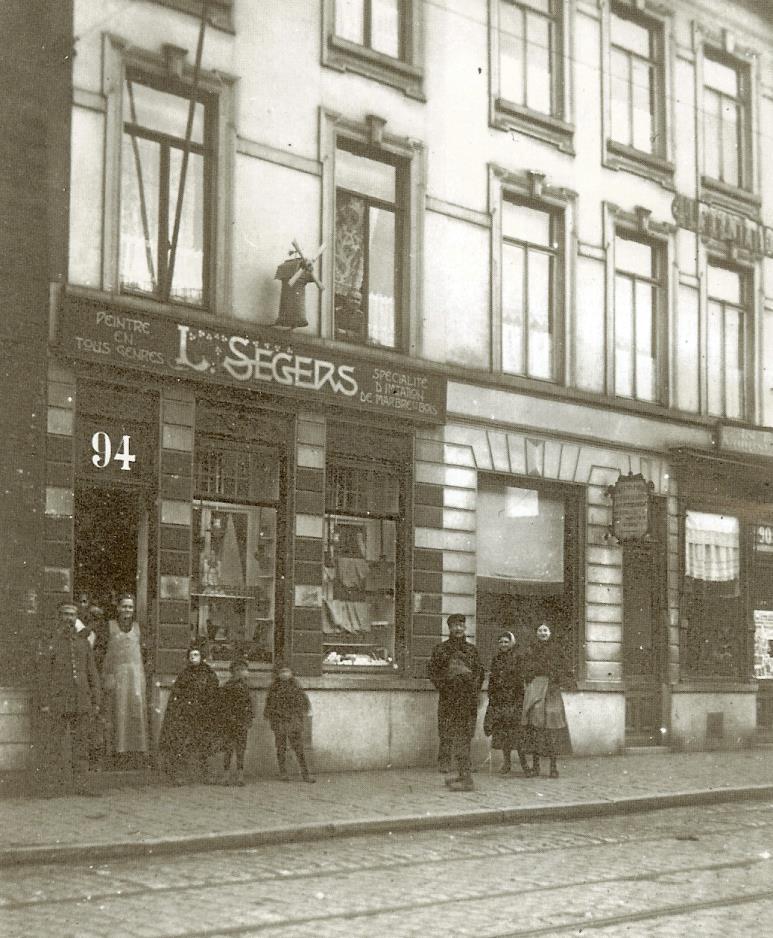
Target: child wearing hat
[(286, 706), (236, 715)]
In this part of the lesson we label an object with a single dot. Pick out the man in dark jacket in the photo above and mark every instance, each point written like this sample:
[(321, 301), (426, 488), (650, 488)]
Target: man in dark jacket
[(457, 673), (69, 695)]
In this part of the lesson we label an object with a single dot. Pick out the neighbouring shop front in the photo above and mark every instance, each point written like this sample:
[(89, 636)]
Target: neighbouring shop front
[(252, 492), (726, 603)]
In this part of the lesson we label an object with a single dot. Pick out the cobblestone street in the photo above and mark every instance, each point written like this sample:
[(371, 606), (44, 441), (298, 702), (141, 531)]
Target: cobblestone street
[(665, 873)]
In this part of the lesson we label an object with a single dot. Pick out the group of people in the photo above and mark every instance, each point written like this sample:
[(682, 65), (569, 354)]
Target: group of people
[(525, 711), (91, 676), (203, 719)]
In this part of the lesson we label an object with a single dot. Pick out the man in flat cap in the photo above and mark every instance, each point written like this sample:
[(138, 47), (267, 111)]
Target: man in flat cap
[(69, 694), (457, 673)]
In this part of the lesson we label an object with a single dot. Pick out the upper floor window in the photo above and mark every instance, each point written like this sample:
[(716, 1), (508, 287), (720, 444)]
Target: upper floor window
[(726, 115), (367, 248), (377, 38), (375, 24), (529, 267), (637, 321), (636, 88), (726, 339), (528, 75), (152, 201)]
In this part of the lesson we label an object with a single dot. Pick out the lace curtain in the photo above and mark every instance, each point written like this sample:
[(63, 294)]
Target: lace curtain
[(712, 547)]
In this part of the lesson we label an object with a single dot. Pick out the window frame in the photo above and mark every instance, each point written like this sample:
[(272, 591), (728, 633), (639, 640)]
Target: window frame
[(530, 189), (171, 71), (557, 127), (748, 293), (405, 73), (656, 164), (574, 498), (723, 48), (408, 155), (659, 315)]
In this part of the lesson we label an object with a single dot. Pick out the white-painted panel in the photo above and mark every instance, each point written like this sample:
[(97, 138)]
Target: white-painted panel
[(86, 197)]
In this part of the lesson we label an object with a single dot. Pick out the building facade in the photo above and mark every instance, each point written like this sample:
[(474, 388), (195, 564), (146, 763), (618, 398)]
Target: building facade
[(534, 384)]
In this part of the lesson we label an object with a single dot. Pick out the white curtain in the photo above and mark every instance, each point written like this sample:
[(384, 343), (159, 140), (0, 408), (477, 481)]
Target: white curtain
[(712, 544)]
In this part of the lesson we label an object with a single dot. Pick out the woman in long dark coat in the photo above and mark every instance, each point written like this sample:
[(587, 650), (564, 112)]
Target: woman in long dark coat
[(188, 721), (505, 702), (543, 707)]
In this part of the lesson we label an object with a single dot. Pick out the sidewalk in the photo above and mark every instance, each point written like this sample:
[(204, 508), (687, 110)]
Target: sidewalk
[(156, 819)]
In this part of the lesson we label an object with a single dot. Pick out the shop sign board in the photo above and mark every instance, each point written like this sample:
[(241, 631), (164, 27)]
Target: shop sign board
[(716, 224), (261, 359), (631, 506)]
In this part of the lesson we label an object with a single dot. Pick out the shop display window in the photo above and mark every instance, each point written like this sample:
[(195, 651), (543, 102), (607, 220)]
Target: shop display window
[(360, 565), (234, 577), (528, 561)]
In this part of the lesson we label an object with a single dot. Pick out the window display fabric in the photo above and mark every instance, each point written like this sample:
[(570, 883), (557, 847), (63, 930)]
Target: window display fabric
[(123, 677), (712, 547)]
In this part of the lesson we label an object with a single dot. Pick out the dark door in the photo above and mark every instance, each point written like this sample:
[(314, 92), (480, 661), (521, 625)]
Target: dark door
[(644, 635)]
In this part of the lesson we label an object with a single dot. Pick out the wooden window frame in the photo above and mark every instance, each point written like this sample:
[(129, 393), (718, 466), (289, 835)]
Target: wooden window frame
[(748, 289), (555, 128), (172, 70), (405, 72)]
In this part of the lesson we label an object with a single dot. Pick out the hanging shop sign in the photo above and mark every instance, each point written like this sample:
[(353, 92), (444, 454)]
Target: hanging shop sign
[(631, 507), (254, 358), (715, 224)]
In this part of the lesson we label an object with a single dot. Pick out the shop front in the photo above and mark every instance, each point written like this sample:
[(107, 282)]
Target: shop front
[(252, 493)]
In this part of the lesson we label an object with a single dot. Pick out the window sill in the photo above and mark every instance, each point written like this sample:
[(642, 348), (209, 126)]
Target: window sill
[(716, 685), (729, 197), (648, 165), (219, 12), (509, 116), (349, 57)]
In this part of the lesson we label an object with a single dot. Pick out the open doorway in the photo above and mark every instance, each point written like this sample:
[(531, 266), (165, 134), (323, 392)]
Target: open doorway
[(107, 535)]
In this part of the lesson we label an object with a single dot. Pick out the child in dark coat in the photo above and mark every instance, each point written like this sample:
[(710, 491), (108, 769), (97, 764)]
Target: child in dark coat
[(286, 707), (235, 715)]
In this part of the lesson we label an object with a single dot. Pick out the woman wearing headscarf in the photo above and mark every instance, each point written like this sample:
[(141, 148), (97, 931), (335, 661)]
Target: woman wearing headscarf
[(543, 707), (505, 702)]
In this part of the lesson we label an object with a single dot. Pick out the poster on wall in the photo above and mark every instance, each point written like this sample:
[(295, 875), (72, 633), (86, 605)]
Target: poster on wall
[(763, 644)]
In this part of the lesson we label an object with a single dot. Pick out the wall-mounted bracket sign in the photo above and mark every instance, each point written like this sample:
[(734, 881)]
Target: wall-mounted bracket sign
[(631, 507), (256, 358)]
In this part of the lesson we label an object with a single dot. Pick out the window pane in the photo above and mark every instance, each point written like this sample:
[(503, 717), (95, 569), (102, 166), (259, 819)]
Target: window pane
[(525, 224), (645, 343), (520, 534), (686, 351), (711, 134), (539, 300), (623, 337), (160, 111), (511, 53), (539, 56), (720, 77), (139, 214), (360, 174), (351, 220), (715, 366), (724, 284), (620, 90), (234, 579), (629, 35), (350, 20), (188, 283), (633, 256), (381, 277), (513, 260), (734, 363), (643, 99), (730, 144), (385, 28)]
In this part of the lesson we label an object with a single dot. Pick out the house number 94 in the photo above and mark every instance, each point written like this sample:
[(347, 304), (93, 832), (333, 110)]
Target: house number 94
[(102, 446)]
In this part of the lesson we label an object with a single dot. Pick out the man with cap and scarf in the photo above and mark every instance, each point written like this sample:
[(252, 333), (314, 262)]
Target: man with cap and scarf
[(69, 692), (455, 670)]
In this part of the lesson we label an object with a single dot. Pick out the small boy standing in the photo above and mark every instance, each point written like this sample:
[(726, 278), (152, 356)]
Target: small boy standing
[(236, 715), (286, 707)]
